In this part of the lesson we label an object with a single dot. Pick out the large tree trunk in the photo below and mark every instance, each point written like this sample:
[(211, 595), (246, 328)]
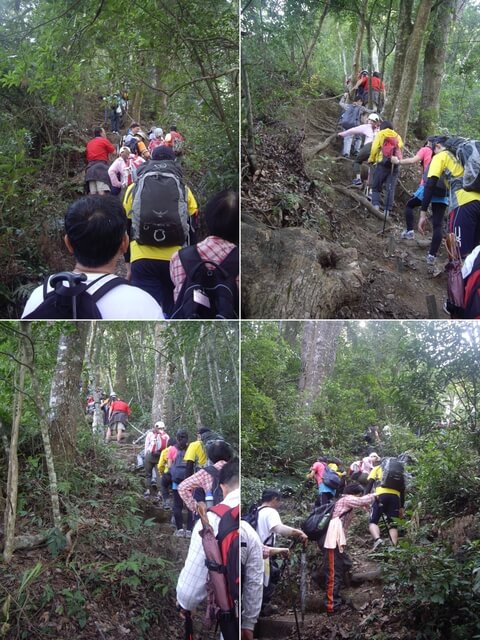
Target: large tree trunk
[(66, 406), (10, 515), (319, 348), (405, 27), (409, 77), (162, 407), (433, 66), (250, 144), (357, 54)]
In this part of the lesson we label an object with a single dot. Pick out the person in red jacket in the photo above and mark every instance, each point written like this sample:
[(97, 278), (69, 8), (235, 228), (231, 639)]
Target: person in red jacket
[(98, 151), (118, 418)]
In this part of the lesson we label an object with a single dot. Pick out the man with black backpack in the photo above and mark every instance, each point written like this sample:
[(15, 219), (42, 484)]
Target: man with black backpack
[(206, 275), (160, 206), (389, 478), (177, 467), (223, 575), (387, 143), (95, 228)]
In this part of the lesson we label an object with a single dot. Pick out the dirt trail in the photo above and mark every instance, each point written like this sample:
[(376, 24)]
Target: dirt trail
[(312, 187)]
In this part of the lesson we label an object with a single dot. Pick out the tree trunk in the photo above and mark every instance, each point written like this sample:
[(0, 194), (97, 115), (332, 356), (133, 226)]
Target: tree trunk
[(251, 150), (314, 40), (121, 367), (162, 408), (66, 406), (405, 27), (319, 348), (385, 40), (10, 515), (433, 67), (357, 55), (409, 76)]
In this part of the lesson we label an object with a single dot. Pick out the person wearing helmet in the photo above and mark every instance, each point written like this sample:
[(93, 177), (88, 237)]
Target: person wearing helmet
[(157, 139), (361, 88), (439, 199), (368, 130)]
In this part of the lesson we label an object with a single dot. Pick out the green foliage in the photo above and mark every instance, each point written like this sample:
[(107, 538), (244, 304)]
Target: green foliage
[(252, 489), (435, 587), (75, 603), (56, 542)]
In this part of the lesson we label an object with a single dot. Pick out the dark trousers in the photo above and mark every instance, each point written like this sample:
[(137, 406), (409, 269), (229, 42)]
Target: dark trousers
[(383, 175), (362, 156), (178, 512), (465, 224), (149, 463), (438, 212), (334, 568), (153, 276), (166, 485)]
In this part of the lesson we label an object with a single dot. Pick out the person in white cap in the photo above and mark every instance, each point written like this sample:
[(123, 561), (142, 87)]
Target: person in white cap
[(155, 441)]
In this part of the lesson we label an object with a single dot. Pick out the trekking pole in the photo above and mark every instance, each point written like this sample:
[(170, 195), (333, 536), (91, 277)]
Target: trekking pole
[(303, 582), (385, 522), (188, 626), (294, 606)]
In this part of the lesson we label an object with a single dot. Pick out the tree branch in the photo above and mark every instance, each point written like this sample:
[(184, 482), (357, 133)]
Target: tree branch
[(185, 84)]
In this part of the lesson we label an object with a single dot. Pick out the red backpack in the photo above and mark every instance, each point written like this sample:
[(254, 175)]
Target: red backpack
[(390, 147), (222, 560), (471, 302)]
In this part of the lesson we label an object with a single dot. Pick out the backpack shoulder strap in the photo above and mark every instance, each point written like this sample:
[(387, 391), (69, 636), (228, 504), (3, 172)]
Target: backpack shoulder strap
[(213, 471), (231, 264), (220, 509), (190, 258), (98, 289)]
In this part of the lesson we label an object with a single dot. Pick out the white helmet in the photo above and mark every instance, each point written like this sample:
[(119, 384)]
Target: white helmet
[(374, 117), (160, 425)]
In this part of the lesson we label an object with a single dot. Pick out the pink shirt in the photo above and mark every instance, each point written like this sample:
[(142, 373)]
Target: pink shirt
[(361, 130), (118, 166), (318, 468), (425, 154)]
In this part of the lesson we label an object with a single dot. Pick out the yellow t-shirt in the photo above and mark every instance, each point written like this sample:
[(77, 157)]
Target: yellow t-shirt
[(162, 461), (376, 474), (139, 251), (196, 453), (445, 163)]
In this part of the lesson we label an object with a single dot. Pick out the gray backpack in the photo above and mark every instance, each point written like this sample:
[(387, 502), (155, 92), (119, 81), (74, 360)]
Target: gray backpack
[(159, 208)]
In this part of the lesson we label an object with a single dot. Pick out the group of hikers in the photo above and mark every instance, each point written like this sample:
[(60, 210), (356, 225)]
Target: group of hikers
[(371, 483), (449, 181), (138, 206)]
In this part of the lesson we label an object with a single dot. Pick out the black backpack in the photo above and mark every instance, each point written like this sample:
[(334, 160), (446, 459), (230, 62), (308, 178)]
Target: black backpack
[(351, 116), (159, 205), (206, 292), (78, 301), (393, 474), (252, 516), (316, 525), (216, 490)]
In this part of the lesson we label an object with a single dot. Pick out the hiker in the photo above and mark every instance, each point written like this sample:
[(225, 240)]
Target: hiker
[(335, 560), (269, 525), (222, 220), (378, 91), (369, 131), (95, 233), (156, 440), (196, 454), (386, 143), (350, 118), (175, 140), (327, 488), (176, 465), (464, 205), (136, 141), (390, 489), (360, 85), (119, 413), (115, 112), (165, 476), (192, 582), (153, 242), (118, 171), (251, 558), (157, 139), (98, 151), (203, 485), (439, 198)]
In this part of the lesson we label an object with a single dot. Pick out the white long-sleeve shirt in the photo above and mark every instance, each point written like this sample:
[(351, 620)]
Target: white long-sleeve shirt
[(360, 130), (191, 585), (155, 440), (251, 554)]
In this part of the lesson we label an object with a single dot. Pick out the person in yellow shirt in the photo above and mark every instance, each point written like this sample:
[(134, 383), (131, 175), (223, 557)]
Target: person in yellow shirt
[(149, 264), (390, 504), (464, 205), (384, 172), (165, 476), (196, 454)]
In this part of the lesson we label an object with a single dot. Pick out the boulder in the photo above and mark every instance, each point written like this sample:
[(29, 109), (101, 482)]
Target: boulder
[(293, 273)]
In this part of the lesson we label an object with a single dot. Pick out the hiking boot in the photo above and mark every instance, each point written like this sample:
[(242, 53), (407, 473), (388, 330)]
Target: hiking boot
[(179, 533), (430, 260), (166, 505), (146, 494), (188, 533), (357, 182), (407, 235), (368, 195), (378, 543)]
